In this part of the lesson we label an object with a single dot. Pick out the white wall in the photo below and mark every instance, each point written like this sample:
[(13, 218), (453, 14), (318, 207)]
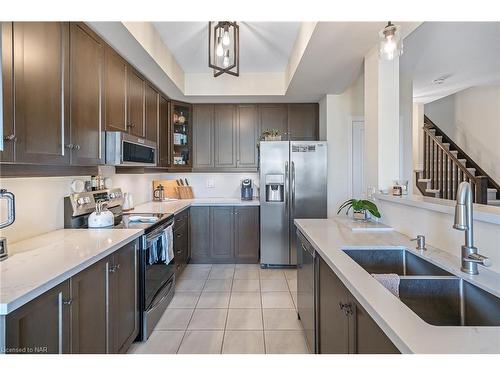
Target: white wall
[(40, 200), (438, 231), (337, 113), (471, 118)]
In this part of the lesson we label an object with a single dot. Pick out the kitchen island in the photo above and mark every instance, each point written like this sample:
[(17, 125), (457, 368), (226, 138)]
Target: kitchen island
[(404, 328)]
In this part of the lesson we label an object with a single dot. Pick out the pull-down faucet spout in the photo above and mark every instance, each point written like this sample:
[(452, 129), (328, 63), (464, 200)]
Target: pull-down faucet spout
[(464, 221)]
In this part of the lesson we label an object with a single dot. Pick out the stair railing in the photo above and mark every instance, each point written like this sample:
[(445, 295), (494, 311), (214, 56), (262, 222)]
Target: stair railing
[(446, 172)]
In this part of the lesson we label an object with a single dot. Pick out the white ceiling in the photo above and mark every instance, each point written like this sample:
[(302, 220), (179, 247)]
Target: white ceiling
[(467, 53), (335, 54), (264, 46)]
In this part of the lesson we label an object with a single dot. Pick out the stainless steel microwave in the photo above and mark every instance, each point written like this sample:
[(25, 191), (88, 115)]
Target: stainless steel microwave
[(127, 149)]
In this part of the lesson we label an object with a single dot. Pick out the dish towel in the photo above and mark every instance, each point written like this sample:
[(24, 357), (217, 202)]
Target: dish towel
[(167, 246), (153, 253), (388, 280)]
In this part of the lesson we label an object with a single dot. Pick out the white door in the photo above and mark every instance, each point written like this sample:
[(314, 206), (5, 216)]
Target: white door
[(358, 141)]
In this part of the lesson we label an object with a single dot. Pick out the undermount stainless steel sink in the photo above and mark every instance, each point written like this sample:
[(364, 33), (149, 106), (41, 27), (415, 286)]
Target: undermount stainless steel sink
[(399, 261), (449, 301), (435, 295)]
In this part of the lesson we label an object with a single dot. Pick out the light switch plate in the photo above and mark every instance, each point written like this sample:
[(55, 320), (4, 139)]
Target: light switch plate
[(210, 183)]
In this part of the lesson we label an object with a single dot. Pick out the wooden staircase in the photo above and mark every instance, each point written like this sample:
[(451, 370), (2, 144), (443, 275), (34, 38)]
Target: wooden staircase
[(446, 165)]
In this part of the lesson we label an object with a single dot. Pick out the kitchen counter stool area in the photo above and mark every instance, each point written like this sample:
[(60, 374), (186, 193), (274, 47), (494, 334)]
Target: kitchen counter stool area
[(230, 309)]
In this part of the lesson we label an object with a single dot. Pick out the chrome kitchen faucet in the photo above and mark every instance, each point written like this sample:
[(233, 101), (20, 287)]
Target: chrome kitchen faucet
[(464, 221)]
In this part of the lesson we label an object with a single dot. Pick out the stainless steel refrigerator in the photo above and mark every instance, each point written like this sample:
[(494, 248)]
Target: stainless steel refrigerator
[(292, 185)]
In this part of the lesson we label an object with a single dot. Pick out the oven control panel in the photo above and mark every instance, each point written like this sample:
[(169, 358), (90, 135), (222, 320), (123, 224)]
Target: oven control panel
[(83, 203)]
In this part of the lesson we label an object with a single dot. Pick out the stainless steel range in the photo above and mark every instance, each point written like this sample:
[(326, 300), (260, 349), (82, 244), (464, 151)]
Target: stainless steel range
[(156, 278)]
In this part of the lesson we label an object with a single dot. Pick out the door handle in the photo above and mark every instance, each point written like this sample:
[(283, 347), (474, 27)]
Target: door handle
[(293, 187), (286, 188)]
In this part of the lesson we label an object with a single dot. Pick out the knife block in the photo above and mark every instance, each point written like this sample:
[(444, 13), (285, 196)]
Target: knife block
[(185, 192)]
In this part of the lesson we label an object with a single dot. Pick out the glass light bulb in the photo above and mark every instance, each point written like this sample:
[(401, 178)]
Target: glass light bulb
[(219, 50), (225, 38), (225, 61), (391, 44)]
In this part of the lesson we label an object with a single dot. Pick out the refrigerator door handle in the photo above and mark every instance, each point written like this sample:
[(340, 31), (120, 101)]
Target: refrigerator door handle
[(286, 188), (293, 189)]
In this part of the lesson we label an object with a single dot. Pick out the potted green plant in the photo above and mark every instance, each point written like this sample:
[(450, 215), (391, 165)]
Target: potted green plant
[(361, 209), (271, 135)]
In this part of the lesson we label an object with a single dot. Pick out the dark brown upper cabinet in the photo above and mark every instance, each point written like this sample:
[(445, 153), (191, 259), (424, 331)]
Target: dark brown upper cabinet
[(181, 129), (303, 122), (247, 136), (135, 103), (86, 75), (225, 136), (274, 116), (151, 113), (164, 133), (115, 88), (41, 94), (203, 136), (9, 136)]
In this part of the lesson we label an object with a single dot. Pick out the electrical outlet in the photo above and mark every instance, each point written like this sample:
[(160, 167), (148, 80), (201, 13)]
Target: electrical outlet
[(210, 183)]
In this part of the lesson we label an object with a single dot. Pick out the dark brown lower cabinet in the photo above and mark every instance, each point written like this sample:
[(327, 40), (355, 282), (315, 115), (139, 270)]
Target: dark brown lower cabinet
[(42, 325), (88, 309), (344, 327), (225, 234), (222, 233), (182, 251), (200, 234), (246, 234), (123, 320), (95, 311)]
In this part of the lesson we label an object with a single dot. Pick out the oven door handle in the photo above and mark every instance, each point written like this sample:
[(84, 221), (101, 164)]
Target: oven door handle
[(168, 286)]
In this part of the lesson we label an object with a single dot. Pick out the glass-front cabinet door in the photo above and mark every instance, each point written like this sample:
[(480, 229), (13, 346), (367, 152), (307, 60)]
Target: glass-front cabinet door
[(181, 139)]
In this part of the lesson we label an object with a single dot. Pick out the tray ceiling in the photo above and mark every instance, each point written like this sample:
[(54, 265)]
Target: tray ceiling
[(264, 46)]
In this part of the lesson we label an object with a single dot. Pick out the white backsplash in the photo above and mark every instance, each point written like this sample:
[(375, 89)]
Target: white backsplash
[(225, 185), (40, 200)]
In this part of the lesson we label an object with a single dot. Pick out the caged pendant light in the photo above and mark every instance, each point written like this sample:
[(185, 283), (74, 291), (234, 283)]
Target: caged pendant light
[(224, 47)]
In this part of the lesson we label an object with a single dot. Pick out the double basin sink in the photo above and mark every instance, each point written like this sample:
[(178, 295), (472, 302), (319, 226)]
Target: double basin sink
[(435, 295)]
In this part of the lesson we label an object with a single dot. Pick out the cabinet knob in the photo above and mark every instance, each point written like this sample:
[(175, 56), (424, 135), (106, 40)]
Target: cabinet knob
[(77, 147), (130, 125), (68, 302), (10, 138), (70, 146)]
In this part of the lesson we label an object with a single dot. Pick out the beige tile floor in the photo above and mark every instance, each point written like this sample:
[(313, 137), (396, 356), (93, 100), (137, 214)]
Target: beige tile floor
[(230, 309)]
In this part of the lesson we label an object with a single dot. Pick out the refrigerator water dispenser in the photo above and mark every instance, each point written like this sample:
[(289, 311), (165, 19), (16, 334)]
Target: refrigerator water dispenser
[(275, 188)]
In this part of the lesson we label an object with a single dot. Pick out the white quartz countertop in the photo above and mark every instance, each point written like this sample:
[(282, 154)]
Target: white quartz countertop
[(406, 329), (176, 206), (42, 262)]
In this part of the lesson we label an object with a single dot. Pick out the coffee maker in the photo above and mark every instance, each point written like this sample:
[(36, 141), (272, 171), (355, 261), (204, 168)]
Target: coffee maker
[(246, 190)]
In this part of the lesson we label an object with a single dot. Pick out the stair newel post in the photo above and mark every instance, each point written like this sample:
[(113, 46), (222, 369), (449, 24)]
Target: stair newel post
[(481, 190), (440, 179)]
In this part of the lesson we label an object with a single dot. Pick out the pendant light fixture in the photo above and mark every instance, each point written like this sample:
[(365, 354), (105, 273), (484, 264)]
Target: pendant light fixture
[(224, 47), (390, 44)]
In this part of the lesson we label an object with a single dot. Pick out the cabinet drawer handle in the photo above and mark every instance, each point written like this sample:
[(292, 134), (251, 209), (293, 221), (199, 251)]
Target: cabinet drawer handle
[(10, 137), (178, 235), (114, 268), (179, 251), (68, 302), (130, 125)]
